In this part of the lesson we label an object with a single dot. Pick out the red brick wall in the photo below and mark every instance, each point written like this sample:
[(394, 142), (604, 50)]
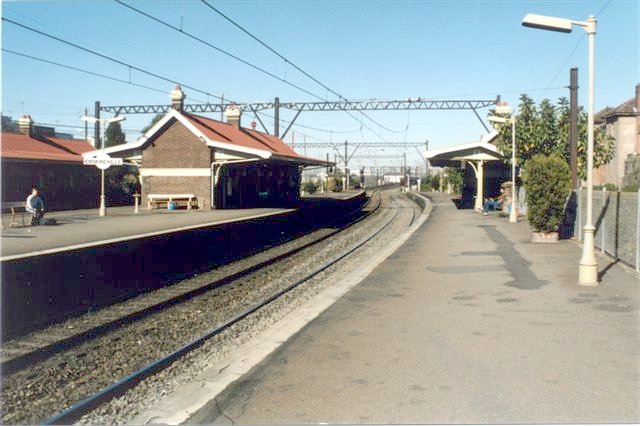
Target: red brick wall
[(198, 185), (177, 147)]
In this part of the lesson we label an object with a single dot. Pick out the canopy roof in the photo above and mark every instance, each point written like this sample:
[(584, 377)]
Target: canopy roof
[(452, 156)]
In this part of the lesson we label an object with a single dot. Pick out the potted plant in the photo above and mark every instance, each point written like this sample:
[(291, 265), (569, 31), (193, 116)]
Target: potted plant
[(547, 180)]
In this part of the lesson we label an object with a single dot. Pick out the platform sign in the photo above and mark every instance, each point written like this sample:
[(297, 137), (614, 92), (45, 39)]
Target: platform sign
[(102, 161)]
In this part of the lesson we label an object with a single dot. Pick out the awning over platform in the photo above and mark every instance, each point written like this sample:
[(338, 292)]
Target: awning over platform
[(476, 154), (453, 156)]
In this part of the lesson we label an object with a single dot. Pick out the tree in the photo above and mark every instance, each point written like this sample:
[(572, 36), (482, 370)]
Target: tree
[(455, 178), (154, 120), (545, 130), (114, 135)]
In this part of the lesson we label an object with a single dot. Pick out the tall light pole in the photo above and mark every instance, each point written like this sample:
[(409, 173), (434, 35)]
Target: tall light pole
[(588, 270), (513, 215), (105, 122)]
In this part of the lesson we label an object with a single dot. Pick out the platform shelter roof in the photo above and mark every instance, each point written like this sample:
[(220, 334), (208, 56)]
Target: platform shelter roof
[(452, 156), (27, 147), (246, 143)]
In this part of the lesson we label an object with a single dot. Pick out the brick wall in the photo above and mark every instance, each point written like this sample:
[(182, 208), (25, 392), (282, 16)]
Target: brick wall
[(177, 147), (198, 185)]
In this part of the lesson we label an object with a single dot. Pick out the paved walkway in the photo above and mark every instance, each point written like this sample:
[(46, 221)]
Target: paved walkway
[(78, 228), (468, 322), (82, 228)]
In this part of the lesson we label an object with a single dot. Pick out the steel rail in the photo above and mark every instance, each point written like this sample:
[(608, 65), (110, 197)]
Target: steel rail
[(118, 388), (43, 353)]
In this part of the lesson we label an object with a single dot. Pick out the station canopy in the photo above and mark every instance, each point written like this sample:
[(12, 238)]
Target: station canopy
[(453, 156)]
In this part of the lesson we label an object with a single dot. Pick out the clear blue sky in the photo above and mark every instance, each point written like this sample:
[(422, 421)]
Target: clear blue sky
[(361, 49)]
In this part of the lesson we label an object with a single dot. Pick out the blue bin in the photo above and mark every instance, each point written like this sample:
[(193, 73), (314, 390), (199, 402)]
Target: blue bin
[(171, 205)]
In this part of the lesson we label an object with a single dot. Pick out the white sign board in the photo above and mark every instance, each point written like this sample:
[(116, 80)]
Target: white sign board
[(102, 161)]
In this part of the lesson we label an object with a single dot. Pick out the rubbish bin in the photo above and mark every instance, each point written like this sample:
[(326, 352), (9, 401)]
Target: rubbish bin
[(171, 205)]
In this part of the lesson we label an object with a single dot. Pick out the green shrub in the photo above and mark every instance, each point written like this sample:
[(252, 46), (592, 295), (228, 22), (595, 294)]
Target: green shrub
[(634, 187), (547, 181)]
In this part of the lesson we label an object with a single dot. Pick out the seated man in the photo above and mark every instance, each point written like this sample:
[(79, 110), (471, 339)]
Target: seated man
[(493, 203), (35, 206)]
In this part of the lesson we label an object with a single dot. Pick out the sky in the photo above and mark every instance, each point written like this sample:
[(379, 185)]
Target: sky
[(387, 50)]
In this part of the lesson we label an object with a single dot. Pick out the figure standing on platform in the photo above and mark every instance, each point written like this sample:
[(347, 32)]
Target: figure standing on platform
[(35, 206)]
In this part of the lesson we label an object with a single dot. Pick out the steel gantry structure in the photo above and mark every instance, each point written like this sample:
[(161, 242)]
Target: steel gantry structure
[(299, 107)]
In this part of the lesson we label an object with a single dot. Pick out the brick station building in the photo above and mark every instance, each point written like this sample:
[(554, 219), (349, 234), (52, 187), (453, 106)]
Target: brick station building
[(223, 164)]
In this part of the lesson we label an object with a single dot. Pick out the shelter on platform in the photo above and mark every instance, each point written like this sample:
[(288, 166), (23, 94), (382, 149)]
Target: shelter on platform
[(479, 181), (222, 164)]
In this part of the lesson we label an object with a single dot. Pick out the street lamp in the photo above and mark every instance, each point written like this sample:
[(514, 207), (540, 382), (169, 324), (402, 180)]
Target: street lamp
[(105, 122), (588, 271), (513, 215)]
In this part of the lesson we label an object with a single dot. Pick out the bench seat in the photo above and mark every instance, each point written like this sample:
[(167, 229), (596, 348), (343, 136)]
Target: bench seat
[(16, 208), (165, 199)]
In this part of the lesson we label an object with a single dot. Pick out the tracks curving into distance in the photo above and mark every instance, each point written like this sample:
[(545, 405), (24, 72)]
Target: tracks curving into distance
[(252, 283)]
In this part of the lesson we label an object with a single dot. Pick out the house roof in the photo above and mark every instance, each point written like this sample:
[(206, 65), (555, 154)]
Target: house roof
[(220, 135), (625, 109), (21, 146)]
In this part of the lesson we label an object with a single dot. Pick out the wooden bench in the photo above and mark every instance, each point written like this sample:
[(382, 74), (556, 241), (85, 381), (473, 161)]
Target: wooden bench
[(16, 208), (165, 199)]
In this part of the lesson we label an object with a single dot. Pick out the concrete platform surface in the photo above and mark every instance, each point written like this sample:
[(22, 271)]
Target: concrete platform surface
[(83, 228), (468, 322)]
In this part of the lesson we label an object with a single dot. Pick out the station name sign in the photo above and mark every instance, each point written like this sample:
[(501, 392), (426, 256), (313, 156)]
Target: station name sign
[(102, 161)]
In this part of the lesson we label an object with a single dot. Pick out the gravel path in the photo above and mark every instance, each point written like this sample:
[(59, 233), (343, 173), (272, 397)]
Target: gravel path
[(31, 395)]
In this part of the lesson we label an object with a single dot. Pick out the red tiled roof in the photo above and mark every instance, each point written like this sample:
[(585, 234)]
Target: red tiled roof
[(228, 133), (16, 145), (78, 146)]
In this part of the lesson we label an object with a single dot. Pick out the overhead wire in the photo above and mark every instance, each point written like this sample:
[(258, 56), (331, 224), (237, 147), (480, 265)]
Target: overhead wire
[(286, 60), (564, 64), (229, 54), (117, 61)]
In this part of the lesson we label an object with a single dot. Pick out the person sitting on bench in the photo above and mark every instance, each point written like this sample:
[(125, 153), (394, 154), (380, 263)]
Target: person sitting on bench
[(35, 206), (493, 203)]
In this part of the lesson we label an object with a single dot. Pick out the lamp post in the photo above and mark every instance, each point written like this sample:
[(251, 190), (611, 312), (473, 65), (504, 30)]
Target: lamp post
[(103, 121), (588, 270), (513, 215)]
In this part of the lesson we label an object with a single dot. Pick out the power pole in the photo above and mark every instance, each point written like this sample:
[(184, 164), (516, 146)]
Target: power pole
[(426, 161), (97, 142), (276, 117), (346, 164), (404, 168), (86, 126), (573, 127)]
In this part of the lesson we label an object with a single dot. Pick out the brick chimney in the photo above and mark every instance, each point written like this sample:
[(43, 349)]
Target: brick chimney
[(177, 98), (233, 116), (253, 124), (25, 124)]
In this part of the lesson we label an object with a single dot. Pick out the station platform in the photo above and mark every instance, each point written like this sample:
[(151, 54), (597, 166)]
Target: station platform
[(468, 322), (78, 229), (83, 262)]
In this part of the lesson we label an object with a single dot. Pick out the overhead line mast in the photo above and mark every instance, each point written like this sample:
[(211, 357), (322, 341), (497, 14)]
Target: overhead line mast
[(370, 105)]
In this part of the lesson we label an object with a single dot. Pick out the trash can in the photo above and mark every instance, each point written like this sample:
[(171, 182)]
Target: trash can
[(171, 205)]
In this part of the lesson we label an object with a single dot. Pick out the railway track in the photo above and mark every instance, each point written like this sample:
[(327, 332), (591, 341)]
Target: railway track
[(100, 363)]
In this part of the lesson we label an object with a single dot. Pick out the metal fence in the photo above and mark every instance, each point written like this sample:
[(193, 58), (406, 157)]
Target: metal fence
[(616, 216)]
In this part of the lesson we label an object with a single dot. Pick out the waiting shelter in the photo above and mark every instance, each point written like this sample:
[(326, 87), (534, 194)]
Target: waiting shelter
[(476, 155), (218, 164)]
